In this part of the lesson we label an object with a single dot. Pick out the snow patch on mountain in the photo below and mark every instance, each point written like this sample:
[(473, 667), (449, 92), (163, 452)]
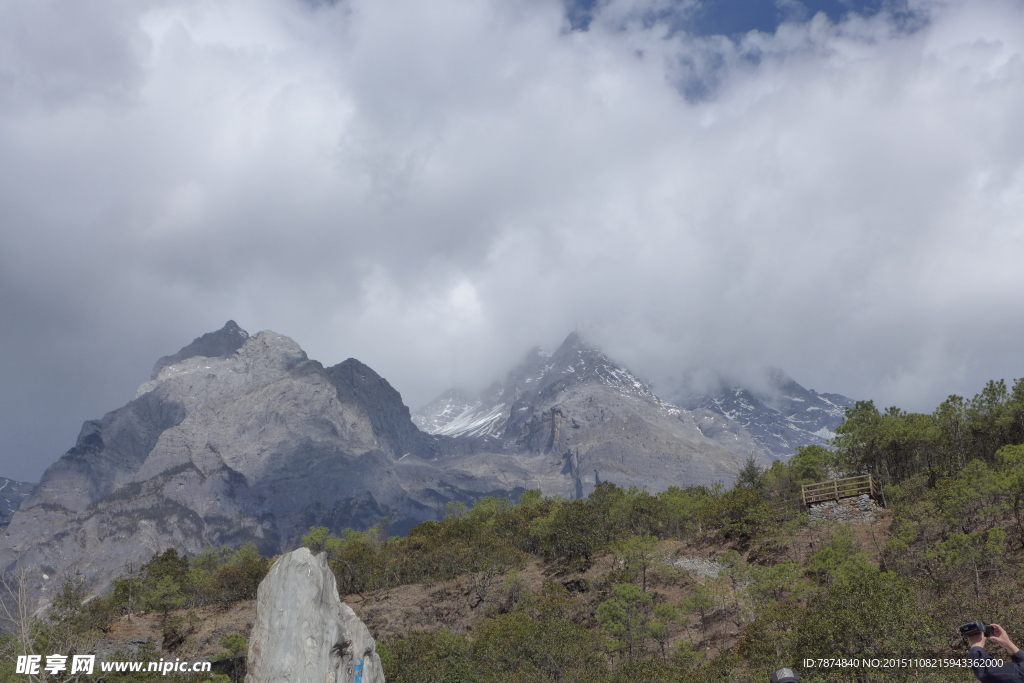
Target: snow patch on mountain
[(476, 420), (545, 379), (781, 416), (453, 413)]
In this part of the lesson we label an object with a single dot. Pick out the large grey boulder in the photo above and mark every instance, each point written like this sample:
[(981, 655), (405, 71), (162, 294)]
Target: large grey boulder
[(304, 633)]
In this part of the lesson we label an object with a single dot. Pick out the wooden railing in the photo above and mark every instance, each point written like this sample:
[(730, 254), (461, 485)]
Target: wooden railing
[(838, 488)]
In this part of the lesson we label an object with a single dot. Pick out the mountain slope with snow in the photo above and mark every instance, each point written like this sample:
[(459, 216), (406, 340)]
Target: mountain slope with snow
[(574, 417), (781, 416)]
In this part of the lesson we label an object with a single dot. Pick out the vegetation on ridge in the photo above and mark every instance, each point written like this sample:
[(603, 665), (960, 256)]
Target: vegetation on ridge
[(687, 585)]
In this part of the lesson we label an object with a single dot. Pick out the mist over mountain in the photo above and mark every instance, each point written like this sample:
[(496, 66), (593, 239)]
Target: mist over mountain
[(574, 374), (242, 438), (770, 414), (475, 178), (779, 414)]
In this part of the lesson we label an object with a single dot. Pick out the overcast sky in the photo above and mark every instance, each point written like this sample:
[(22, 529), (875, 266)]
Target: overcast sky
[(434, 187)]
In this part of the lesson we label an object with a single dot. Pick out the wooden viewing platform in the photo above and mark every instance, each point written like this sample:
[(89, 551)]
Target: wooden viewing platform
[(835, 489)]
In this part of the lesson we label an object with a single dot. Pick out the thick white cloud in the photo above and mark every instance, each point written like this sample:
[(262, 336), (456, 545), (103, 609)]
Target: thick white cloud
[(434, 187)]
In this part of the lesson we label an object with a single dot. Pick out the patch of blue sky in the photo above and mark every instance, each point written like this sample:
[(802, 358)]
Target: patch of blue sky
[(734, 18), (717, 29)]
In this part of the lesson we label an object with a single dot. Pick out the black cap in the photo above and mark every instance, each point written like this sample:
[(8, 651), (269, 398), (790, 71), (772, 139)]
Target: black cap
[(784, 675)]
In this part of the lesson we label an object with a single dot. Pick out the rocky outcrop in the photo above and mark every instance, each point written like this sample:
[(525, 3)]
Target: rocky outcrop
[(860, 509), (219, 344), (304, 633)]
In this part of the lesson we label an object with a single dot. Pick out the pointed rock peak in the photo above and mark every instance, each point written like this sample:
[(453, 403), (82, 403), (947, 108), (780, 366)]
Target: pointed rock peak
[(574, 342), (392, 424), (783, 390), (778, 379), (219, 344), (231, 327), (358, 380), (576, 349), (358, 374)]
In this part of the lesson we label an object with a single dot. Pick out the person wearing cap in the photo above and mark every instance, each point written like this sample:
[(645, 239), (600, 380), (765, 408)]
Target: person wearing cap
[(784, 675), (1009, 672)]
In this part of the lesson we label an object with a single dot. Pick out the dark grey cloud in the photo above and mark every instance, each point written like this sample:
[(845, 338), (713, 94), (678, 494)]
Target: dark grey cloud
[(433, 188)]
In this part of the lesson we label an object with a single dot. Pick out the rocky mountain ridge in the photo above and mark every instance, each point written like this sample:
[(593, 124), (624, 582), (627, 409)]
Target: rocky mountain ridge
[(256, 444), (578, 414), (240, 438), (780, 417), (775, 419), (500, 410)]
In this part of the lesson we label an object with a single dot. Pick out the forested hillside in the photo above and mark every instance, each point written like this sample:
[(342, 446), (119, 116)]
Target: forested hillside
[(691, 585)]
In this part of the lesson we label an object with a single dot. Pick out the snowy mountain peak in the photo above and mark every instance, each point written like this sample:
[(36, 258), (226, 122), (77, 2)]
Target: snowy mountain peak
[(539, 379), (578, 362), (574, 340), (781, 415)]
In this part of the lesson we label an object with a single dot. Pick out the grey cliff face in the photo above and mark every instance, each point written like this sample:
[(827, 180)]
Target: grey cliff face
[(258, 445), (387, 413), (304, 633), (219, 344)]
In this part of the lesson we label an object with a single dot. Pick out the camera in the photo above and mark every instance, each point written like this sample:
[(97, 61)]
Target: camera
[(974, 628)]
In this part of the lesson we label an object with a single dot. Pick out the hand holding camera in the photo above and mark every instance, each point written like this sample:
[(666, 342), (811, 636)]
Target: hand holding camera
[(1002, 638), (977, 631)]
